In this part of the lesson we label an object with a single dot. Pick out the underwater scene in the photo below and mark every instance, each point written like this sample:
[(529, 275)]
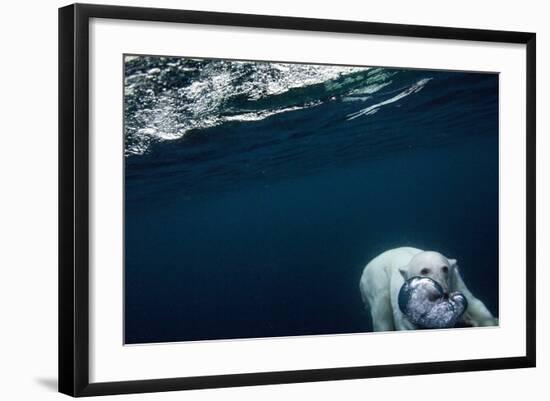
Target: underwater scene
[(267, 199)]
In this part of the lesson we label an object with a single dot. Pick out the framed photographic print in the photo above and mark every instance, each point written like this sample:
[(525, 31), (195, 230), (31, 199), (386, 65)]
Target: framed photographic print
[(249, 199)]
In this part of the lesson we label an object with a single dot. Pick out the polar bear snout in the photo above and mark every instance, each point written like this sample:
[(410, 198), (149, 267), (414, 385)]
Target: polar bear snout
[(437, 274), (432, 265), (444, 285)]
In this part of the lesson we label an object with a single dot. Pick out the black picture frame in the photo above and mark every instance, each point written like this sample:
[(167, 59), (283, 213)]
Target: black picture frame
[(74, 198)]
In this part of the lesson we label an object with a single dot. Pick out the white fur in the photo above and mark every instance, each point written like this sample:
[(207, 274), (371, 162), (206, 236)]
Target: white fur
[(383, 277)]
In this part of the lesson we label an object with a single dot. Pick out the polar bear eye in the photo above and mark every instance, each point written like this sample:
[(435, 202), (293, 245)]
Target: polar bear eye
[(424, 271), (445, 269)]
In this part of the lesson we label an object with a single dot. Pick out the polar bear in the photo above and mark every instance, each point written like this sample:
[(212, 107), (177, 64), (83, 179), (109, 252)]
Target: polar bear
[(383, 277)]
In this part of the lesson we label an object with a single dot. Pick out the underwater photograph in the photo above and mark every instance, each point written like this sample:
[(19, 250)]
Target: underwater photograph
[(274, 199)]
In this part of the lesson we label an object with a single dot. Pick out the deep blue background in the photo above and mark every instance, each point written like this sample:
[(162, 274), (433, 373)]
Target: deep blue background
[(255, 229)]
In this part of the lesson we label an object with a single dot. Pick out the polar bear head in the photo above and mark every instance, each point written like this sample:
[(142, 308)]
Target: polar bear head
[(433, 265)]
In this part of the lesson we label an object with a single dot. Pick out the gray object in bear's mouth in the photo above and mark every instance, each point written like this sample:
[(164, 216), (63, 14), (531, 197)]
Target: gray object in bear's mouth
[(425, 304)]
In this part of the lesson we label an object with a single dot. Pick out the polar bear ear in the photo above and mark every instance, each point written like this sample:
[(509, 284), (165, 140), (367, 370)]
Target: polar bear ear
[(452, 262), (403, 272)]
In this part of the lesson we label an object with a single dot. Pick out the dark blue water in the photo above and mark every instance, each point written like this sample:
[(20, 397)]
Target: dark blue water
[(255, 214)]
